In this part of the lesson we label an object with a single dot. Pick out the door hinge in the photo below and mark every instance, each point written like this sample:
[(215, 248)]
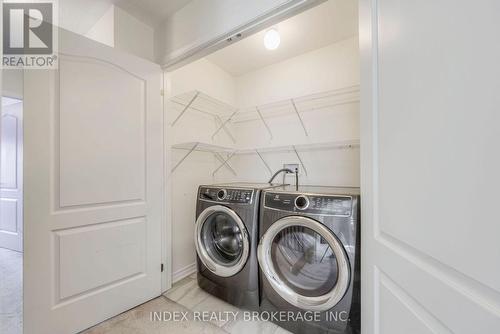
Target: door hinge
[(162, 267), (162, 92)]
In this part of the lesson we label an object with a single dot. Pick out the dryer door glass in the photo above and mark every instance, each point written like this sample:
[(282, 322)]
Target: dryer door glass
[(222, 238), (304, 261)]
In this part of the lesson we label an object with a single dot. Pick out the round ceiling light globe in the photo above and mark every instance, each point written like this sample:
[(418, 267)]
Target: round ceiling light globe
[(272, 39)]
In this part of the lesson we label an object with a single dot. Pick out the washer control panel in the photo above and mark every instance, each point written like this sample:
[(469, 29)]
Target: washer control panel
[(309, 203), (226, 195)]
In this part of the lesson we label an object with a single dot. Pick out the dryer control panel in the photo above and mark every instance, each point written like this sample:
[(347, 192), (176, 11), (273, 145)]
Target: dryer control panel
[(340, 206), (227, 195)]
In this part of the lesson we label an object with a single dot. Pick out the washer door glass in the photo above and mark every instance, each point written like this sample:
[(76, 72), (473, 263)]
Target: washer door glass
[(304, 261), (222, 238)]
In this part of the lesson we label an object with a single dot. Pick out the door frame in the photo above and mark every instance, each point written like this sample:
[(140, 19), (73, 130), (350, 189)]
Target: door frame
[(166, 226), (368, 36)]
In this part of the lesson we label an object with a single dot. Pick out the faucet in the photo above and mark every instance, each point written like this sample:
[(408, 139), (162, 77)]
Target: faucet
[(286, 170)]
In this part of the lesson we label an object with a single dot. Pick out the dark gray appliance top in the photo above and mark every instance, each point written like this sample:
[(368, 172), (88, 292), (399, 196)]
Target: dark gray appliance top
[(248, 185), (319, 190)]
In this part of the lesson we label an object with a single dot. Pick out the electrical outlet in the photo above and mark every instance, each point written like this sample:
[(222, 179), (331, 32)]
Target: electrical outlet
[(294, 167)]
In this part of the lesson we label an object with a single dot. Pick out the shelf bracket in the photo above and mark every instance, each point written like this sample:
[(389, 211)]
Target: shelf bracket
[(264, 121), (300, 159), (300, 117), (221, 159), (264, 162), (224, 162), (185, 156), (186, 107), (222, 126)]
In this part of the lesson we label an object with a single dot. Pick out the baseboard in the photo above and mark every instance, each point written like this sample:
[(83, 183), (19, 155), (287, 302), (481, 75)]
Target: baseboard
[(183, 272)]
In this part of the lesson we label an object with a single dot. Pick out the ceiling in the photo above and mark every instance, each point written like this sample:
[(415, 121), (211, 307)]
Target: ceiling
[(320, 26), (152, 11)]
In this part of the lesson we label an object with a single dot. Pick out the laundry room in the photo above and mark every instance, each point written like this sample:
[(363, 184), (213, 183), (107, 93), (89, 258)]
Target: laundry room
[(283, 97), (245, 111)]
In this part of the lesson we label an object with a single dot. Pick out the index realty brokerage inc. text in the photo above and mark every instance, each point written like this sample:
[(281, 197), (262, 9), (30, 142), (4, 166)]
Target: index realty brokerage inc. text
[(226, 316)]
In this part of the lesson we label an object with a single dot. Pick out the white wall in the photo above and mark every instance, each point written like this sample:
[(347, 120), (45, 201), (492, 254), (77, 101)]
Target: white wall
[(198, 167), (103, 31), (133, 36), (12, 83), (329, 68), (204, 76), (79, 16), (119, 29), (332, 67)]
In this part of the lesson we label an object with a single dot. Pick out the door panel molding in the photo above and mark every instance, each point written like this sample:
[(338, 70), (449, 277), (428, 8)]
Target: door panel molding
[(9, 209), (11, 184), (422, 317), (11, 178), (61, 149)]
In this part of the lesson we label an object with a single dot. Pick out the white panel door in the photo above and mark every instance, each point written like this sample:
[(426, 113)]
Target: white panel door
[(430, 156), (93, 187), (11, 176)]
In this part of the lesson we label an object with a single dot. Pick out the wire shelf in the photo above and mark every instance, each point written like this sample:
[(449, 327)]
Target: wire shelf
[(319, 101), (203, 103), (225, 154), (200, 102)]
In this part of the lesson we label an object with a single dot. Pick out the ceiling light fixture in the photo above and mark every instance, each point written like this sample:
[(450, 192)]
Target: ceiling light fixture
[(272, 39)]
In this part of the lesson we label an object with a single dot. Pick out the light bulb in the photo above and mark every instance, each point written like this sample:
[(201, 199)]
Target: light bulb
[(272, 39)]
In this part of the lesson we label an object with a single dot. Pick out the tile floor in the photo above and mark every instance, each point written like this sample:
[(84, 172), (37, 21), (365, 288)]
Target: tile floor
[(185, 296), (11, 292)]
